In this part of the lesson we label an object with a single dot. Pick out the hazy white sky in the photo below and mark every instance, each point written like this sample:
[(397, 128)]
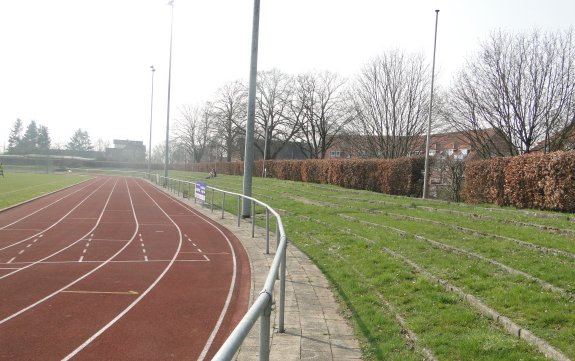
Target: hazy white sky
[(70, 64)]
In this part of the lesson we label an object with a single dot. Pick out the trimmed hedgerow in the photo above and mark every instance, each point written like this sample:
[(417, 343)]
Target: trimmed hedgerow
[(403, 176), (485, 181), (540, 181)]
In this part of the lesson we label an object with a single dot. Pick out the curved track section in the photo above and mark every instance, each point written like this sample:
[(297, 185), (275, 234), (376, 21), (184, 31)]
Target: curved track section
[(116, 269)]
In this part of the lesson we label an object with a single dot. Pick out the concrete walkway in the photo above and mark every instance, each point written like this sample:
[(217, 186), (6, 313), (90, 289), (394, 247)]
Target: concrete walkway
[(315, 328)]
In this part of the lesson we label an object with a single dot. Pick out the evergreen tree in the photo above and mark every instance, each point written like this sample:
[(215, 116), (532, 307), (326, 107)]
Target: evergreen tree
[(15, 137), (44, 140), (80, 141), (29, 142)]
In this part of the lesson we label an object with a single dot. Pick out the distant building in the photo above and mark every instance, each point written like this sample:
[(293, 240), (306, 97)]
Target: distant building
[(133, 151)]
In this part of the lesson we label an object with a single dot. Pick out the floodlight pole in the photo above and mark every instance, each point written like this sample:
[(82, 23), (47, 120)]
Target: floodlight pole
[(171, 3), (151, 117), (249, 146), (426, 172)]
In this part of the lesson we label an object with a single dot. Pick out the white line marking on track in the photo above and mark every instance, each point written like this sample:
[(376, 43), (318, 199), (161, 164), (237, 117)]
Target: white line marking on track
[(81, 259), (12, 259), (206, 257), (103, 292), (71, 283), (232, 283), (199, 250), (22, 251), (53, 224), (28, 246), (137, 300), (146, 258)]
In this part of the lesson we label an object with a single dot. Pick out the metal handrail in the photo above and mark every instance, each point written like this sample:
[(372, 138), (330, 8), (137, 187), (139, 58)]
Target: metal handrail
[(263, 303)]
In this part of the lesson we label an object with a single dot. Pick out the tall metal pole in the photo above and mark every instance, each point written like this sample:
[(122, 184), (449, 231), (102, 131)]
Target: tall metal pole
[(151, 117), (426, 174), (249, 146), (171, 3)]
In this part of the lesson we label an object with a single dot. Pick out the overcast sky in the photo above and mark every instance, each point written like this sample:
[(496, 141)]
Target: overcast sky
[(70, 64)]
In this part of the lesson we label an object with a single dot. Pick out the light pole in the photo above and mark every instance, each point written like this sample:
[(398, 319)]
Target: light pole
[(171, 3), (426, 174), (151, 117), (249, 146)]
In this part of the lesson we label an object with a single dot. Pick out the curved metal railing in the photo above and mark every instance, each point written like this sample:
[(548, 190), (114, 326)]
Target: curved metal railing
[(262, 305)]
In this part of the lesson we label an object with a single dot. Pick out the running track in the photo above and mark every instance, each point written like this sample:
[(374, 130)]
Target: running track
[(114, 268)]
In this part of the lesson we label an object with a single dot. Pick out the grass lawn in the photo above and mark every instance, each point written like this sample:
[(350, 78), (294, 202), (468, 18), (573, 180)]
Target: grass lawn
[(393, 260), (19, 187)]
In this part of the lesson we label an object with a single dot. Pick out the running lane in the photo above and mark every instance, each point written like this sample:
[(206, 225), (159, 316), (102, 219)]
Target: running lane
[(157, 281)]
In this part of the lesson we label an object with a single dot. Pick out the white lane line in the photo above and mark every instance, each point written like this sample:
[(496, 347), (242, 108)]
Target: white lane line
[(71, 283), (232, 283), (81, 259), (146, 258), (137, 300), (206, 257), (53, 224), (199, 250), (144, 250), (28, 246), (22, 251), (12, 259)]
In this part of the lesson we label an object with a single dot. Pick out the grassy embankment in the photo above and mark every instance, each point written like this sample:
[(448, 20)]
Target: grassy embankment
[(393, 260)]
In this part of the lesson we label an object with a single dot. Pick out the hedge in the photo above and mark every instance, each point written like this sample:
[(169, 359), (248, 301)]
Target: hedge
[(540, 181), (402, 176)]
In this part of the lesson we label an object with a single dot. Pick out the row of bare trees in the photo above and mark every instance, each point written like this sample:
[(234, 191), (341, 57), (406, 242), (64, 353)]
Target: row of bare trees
[(523, 87), (309, 110), (518, 87)]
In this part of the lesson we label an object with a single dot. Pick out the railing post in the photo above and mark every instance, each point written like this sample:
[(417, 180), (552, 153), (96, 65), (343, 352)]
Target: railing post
[(223, 203), (281, 328), (212, 201), (265, 332), (239, 209), (253, 219), (267, 231)]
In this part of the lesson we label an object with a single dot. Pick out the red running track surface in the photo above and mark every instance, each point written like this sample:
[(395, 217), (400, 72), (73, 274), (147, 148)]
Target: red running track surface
[(114, 268)]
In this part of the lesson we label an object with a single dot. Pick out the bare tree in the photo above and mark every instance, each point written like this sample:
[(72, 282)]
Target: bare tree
[(391, 101), (192, 133), (273, 120), (101, 145), (230, 106), (522, 87), (321, 109)]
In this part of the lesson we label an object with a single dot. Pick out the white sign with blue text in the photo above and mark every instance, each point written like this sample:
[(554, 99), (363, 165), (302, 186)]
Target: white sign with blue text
[(201, 191)]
